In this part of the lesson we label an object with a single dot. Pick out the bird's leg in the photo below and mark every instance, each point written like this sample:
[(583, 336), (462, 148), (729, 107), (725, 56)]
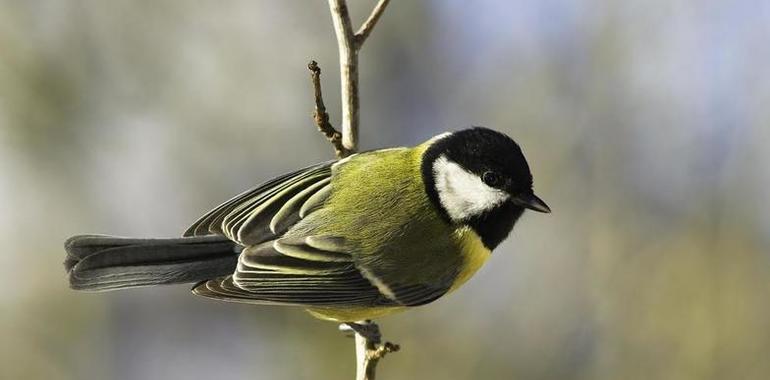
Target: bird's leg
[(367, 329)]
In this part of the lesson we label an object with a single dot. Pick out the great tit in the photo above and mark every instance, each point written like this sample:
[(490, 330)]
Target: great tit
[(349, 239)]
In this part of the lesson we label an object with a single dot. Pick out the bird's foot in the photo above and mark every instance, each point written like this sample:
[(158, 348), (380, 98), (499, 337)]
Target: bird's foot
[(367, 329)]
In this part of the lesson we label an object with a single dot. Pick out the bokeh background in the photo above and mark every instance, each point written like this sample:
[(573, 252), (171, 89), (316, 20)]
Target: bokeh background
[(646, 124)]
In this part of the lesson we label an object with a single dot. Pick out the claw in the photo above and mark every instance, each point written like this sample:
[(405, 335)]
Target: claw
[(366, 329)]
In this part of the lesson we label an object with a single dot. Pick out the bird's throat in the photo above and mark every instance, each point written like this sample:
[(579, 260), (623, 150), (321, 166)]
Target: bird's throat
[(495, 225)]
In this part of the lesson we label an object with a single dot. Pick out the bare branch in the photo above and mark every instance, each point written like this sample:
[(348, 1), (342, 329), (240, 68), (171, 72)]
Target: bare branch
[(341, 20), (368, 25), (320, 115)]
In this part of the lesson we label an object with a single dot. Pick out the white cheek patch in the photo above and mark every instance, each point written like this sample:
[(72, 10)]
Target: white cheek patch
[(462, 193)]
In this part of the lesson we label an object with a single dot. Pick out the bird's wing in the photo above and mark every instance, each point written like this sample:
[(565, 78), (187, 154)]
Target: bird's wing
[(310, 271), (267, 211)]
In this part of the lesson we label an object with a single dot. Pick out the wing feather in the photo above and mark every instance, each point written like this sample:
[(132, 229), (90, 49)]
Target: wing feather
[(207, 224), (315, 201), (289, 214), (251, 225), (247, 217)]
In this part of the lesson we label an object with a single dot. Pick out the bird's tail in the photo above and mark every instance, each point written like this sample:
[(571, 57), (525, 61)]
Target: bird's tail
[(99, 262)]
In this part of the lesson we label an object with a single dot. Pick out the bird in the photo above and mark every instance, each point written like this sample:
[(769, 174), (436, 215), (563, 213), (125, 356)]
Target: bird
[(351, 239)]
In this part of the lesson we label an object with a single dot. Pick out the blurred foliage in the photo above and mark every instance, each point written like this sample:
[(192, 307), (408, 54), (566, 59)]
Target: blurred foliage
[(645, 123)]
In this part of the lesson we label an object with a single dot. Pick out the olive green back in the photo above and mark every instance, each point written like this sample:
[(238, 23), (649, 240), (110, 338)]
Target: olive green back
[(380, 207)]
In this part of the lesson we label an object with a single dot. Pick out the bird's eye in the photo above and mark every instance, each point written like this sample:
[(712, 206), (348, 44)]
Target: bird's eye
[(492, 179)]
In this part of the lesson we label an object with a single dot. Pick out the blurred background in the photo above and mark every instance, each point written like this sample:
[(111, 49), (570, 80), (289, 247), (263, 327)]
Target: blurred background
[(645, 122)]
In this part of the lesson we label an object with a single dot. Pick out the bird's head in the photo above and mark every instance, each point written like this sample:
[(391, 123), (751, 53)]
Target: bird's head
[(480, 178)]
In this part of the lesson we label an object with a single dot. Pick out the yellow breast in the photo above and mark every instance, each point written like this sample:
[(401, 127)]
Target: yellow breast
[(474, 253)]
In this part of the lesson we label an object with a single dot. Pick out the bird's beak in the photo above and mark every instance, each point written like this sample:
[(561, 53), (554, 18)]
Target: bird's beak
[(531, 201)]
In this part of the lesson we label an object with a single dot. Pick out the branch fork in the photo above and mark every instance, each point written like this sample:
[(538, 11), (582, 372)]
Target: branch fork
[(349, 43)]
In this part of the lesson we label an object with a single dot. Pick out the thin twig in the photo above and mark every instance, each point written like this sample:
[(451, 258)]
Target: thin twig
[(320, 115), (368, 25)]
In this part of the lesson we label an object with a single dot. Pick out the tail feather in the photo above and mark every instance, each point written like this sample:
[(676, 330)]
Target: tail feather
[(98, 262)]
